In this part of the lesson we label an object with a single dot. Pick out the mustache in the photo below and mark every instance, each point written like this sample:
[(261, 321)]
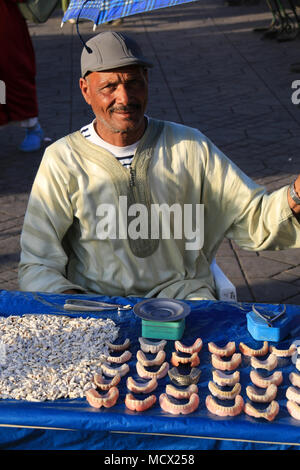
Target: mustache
[(128, 108)]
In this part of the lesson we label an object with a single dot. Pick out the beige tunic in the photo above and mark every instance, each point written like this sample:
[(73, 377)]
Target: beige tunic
[(174, 164)]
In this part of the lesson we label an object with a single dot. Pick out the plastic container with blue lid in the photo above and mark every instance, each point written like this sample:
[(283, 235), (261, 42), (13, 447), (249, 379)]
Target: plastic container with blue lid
[(270, 328)]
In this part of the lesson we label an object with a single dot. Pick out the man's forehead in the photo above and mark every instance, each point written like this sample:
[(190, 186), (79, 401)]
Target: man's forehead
[(129, 70)]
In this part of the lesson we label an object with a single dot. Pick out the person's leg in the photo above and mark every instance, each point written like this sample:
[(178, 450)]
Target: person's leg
[(34, 135)]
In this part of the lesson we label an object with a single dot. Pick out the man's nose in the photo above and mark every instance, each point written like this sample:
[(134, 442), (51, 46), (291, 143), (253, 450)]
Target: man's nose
[(123, 95)]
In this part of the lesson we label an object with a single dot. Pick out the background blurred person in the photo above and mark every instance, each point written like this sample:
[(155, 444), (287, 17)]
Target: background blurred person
[(17, 71)]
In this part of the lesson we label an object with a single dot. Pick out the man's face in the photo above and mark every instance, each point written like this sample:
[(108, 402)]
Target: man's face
[(118, 98)]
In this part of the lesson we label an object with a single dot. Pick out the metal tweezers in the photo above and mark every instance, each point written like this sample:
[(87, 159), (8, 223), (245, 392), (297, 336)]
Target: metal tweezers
[(269, 319), (92, 305)]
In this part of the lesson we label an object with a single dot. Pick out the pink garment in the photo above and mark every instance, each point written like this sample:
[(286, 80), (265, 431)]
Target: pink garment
[(17, 65)]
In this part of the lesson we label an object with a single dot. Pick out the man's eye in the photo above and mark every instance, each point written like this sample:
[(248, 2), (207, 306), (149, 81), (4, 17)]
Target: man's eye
[(109, 87)]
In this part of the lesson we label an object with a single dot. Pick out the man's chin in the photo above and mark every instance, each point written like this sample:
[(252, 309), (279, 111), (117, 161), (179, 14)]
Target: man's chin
[(127, 125), (123, 126)]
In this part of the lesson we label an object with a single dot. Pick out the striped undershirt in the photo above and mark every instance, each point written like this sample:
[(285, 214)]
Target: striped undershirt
[(123, 154)]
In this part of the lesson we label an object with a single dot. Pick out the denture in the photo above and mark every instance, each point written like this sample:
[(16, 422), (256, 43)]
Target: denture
[(223, 379), (107, 400), (141, 387), (222, 394), (153, 347), (184, 379), (220, 410), (125, 356), (284, 352), (112, 371), (226, 351), (266, 397), (175, 409), (232, 364), (263, 382), (106, 384), (146, 374), (269, 364), (119, 347), (293, 394), (247, 351), (294, 379), (157, 361), (194, 348), (193, 360), (269, 413), (293, 409), (134, 404), (181, 392)]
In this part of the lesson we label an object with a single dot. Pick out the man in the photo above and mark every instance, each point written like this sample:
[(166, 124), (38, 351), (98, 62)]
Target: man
[(97, 217)]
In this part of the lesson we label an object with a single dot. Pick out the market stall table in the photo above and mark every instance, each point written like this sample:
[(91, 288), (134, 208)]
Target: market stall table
[(74, 424)]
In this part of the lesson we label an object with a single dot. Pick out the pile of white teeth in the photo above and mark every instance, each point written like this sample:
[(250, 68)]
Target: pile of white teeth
[(48, 357)]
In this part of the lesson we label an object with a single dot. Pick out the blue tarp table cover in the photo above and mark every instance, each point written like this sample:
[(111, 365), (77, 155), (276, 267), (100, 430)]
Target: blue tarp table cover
[(74, 424)]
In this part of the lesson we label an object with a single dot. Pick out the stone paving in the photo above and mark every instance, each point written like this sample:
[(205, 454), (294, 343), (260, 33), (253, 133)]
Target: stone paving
[(211, 72)]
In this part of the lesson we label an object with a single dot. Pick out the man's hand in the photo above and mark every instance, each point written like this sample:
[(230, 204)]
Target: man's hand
[(295, 207)]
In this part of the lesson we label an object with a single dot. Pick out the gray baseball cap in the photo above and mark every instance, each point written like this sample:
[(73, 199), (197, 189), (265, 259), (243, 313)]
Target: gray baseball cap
[(110, 50)]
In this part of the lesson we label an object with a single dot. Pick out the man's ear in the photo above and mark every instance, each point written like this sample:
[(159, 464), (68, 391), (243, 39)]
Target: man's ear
[(85, 89)]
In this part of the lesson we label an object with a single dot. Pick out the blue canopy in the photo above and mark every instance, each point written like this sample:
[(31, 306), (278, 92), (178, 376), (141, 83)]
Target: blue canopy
[(102, 11)]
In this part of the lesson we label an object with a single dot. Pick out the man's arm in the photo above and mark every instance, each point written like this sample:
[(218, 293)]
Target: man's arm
[(243, 210), (293, 205), (48, 217)]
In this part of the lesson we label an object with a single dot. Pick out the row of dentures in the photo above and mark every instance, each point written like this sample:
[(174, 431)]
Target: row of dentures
[(224, 359), (189, 393), (149, 379), (293, 391), (270, 383), (221, 378), (144, 371), (110, 385), (184, 386)]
